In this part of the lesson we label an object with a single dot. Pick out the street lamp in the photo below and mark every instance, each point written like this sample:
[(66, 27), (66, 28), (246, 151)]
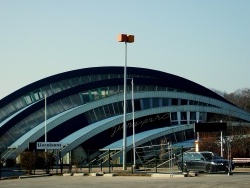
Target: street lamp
[(127, 39), (133, 117), (133, 111), (45, 130), (45, 121)]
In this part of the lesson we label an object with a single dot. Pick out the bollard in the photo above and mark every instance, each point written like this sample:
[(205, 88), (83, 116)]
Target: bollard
[(101, 165), (109, 160), (182, 159)]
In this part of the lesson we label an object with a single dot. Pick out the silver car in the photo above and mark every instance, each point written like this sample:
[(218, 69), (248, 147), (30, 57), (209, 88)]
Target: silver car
[(204, 161)]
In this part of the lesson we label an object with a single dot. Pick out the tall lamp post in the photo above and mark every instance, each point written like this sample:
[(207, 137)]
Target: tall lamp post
[(45, 130), (133, 112), (133, 117), (127, 39), (45, 121)]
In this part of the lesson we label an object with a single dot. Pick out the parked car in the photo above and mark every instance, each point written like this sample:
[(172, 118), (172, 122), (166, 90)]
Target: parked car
[(204, 161)]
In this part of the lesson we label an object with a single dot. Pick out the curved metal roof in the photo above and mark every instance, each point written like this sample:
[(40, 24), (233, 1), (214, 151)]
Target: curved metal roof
[(169, 79)]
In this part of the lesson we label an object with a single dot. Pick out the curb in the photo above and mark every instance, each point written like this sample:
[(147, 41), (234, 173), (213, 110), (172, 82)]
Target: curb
[(67, 174), (167, 176), (109, 175), (79, 174), (174, 175), (34, 176)]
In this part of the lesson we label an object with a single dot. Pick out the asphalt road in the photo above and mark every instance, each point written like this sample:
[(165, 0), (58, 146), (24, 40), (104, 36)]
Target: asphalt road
[(236, 180)]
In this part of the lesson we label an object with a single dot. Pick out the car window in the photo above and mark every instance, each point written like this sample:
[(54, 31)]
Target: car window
[(217, 156), (208, 156), (193, 156), (198, 156), (188, 156)]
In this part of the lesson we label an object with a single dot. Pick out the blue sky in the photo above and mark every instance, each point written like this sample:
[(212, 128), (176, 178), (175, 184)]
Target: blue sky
[(204, 41)]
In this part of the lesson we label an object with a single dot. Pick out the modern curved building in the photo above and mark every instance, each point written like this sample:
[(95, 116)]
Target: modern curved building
[(84, 110)]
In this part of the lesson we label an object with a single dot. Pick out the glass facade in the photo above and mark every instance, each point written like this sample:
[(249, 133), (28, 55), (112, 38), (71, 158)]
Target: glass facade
[(86, 96), (51, 89), (83, 97), (173, 137)]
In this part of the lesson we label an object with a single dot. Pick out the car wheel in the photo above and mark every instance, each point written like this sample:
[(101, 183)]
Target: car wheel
[(209, 168)]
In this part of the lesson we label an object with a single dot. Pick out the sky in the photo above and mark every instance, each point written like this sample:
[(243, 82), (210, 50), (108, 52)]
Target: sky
[(207, 42)]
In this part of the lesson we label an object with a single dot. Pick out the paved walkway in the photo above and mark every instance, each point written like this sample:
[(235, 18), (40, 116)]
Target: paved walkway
[(236, 180)]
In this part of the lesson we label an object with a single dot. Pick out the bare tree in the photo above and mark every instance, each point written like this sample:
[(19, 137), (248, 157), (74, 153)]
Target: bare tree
[(241, 98), (27, 161), (162, 149), (31, 161), (238, 133), (237, 137)]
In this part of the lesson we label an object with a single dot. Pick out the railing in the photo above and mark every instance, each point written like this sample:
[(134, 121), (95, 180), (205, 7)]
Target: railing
[(241, 161)]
